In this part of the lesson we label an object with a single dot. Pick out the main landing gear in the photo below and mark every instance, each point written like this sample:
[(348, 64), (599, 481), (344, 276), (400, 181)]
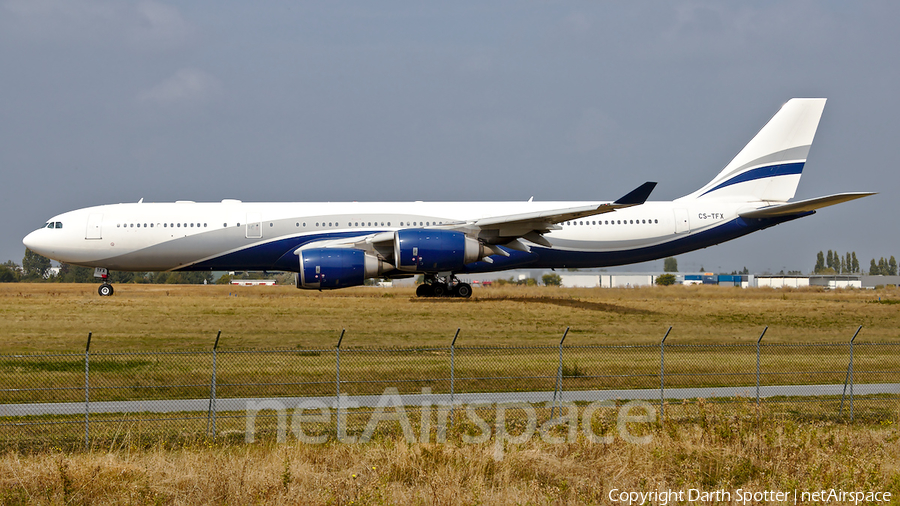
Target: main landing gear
[(443, 286)]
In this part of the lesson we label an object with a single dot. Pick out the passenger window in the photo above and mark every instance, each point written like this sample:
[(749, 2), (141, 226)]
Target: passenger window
[(271, 225), (317, 223), (389, 224)]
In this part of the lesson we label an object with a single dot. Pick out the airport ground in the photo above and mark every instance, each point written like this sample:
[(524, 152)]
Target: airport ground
[(718, 450), (58, 317)]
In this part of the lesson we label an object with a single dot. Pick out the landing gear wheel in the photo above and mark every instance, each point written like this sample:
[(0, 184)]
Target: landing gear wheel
[(463, 290), (424, 290), (438, 290), (105, 290)]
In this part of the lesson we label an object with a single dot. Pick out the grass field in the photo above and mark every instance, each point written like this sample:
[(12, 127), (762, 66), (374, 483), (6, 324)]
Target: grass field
[(713, 450), (714, 447), (49, 318), (58, 317)]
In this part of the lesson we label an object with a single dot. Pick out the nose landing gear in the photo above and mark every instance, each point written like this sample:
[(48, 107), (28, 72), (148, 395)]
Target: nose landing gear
[(106, 289)]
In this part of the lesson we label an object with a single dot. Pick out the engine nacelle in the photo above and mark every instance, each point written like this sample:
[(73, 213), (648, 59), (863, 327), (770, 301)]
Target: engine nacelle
[(328, 268), (424, 250)]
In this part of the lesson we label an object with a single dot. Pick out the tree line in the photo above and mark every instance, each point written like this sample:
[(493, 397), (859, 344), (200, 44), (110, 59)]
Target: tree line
[(37, 269), (835, 263)]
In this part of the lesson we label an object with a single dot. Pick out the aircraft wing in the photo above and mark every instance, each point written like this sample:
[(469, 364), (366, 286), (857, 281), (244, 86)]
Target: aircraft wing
[(636, 197), (503, 229), (500, 229), (803, 206)]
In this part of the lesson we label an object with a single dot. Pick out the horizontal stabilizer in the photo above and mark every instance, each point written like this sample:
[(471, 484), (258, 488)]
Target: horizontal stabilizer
[(803, 206)]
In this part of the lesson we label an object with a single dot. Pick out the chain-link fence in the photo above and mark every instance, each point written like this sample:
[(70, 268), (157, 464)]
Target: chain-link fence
[(65, 397)]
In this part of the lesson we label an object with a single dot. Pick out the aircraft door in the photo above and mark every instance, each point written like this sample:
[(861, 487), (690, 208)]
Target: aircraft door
[(94, 227), (254, 226), (682, 222)]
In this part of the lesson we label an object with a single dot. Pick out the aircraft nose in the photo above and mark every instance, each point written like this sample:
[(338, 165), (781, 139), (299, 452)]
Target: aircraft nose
[(29, 241), (36, 242)]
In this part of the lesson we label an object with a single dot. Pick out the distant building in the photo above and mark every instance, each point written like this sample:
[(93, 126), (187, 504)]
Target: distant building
[(253, 282)]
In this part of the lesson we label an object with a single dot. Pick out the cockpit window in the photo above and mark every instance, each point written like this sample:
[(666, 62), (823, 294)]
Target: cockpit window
[(58, 224)]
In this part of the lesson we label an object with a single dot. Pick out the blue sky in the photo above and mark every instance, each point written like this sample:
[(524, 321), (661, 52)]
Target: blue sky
[(108, 101)]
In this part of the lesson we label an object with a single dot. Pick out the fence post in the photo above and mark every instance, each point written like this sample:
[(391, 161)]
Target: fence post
[(757, 363), (557, 391), (87, 393), (452, 374), (849, 377), (662, 375), (337, 379), (851, 370), (212, 391)]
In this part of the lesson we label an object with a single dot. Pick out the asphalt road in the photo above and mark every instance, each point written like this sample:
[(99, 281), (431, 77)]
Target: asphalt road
[(371, 401)]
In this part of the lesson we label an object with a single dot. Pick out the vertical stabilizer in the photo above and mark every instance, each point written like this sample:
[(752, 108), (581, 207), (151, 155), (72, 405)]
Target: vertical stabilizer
[(770, 165)]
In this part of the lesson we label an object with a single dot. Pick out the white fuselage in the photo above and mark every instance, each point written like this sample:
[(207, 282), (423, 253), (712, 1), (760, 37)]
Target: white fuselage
[(167, 236)]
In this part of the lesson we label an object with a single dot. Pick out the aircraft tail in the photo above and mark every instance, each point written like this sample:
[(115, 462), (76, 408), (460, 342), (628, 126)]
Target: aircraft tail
[(770, 165)]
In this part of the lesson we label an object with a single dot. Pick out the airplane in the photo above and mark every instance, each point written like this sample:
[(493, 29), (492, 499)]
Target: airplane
[(338, 245)]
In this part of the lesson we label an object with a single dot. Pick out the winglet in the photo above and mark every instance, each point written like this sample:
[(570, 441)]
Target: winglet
[(637, 196)]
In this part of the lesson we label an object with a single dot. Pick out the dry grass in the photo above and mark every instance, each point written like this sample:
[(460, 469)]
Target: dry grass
[(714, 450), (57, 317)]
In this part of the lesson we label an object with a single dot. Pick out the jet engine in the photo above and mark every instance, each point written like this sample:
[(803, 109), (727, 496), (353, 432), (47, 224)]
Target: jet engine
[(328, 268), (424, 250)]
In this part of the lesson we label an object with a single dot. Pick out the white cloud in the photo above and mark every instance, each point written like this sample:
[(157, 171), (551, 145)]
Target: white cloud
[(185, 86), (159, 24)]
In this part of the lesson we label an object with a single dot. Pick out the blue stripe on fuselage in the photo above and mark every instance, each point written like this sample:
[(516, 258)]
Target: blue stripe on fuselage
[(276, 255), (560, 258), (783, 169), (279, 255)]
